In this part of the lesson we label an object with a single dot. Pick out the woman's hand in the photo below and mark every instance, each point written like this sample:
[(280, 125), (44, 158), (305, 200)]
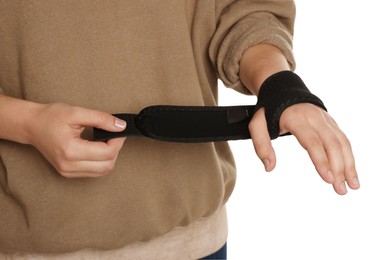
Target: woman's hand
[(55, 130), (327, 146)]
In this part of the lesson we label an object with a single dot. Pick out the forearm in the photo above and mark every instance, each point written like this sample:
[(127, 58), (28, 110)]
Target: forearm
[(15, 115), (258, 63)]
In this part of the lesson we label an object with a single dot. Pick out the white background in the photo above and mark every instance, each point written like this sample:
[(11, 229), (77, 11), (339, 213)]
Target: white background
[(342, 53)]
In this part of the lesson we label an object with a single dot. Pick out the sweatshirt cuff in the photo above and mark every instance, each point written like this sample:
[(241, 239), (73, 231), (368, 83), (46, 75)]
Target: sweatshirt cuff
[(252, 30)]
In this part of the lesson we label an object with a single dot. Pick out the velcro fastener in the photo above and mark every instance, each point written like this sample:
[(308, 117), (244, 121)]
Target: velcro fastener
[(194, 124)]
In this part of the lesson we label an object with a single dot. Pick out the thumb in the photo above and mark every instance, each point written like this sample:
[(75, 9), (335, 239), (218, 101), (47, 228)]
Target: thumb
[(102, 120), (262, 141)]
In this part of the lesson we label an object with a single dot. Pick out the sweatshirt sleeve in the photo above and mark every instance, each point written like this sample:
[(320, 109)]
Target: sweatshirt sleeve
[(245, 23)]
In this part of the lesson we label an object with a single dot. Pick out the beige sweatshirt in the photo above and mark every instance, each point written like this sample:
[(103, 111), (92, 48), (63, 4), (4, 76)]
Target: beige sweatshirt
[(120, 56)]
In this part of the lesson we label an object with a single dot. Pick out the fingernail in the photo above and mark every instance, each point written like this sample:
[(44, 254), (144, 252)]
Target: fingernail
[(343, 188), (355, 182), (120, 123), (266, 163)]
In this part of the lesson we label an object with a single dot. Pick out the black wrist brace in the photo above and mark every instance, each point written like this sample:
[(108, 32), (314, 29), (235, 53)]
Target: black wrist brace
[(280, 91)]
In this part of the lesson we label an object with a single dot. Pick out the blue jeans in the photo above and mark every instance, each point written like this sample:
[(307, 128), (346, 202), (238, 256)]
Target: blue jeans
[(220, 254)]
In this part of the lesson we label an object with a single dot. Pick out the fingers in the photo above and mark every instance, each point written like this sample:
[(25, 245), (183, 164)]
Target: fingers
[(57, 135), (327, 146), (311, 142), (84, 150), (340, 155), (341, 158), (261, 140), (327, 158), (91, 159), (83, 158), (351, 173)]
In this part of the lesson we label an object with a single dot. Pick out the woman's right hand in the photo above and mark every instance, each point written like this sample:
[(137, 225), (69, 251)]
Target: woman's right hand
[(55, 130)]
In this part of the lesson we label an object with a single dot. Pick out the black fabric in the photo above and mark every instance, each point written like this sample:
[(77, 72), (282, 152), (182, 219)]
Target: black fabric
[(189, 124), (195, 124), (279, 92)]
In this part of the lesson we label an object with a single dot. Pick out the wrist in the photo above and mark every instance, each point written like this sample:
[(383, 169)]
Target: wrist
[(260, 62), (16, 117), (28, 125)]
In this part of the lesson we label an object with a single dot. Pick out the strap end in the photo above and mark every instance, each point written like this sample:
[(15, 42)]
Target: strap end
[(131, 129)]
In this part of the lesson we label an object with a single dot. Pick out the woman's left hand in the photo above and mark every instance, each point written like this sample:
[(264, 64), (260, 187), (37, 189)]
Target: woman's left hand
[(317, 132)]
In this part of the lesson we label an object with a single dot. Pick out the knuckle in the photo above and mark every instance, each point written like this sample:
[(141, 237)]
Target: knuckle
[(346, 141), (335, 144), (68, 154), (350, 170), (110, 166), (252, 126), (256, 125), (103, 118), (100, 117), (312, 143), (112, 154), (106, 168), (62, 168), (322, 168), (62, 162), (338, 172)]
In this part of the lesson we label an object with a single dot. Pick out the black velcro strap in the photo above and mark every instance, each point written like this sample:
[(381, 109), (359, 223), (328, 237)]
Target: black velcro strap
[(189, 124), (280, 91), (195, 124)]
